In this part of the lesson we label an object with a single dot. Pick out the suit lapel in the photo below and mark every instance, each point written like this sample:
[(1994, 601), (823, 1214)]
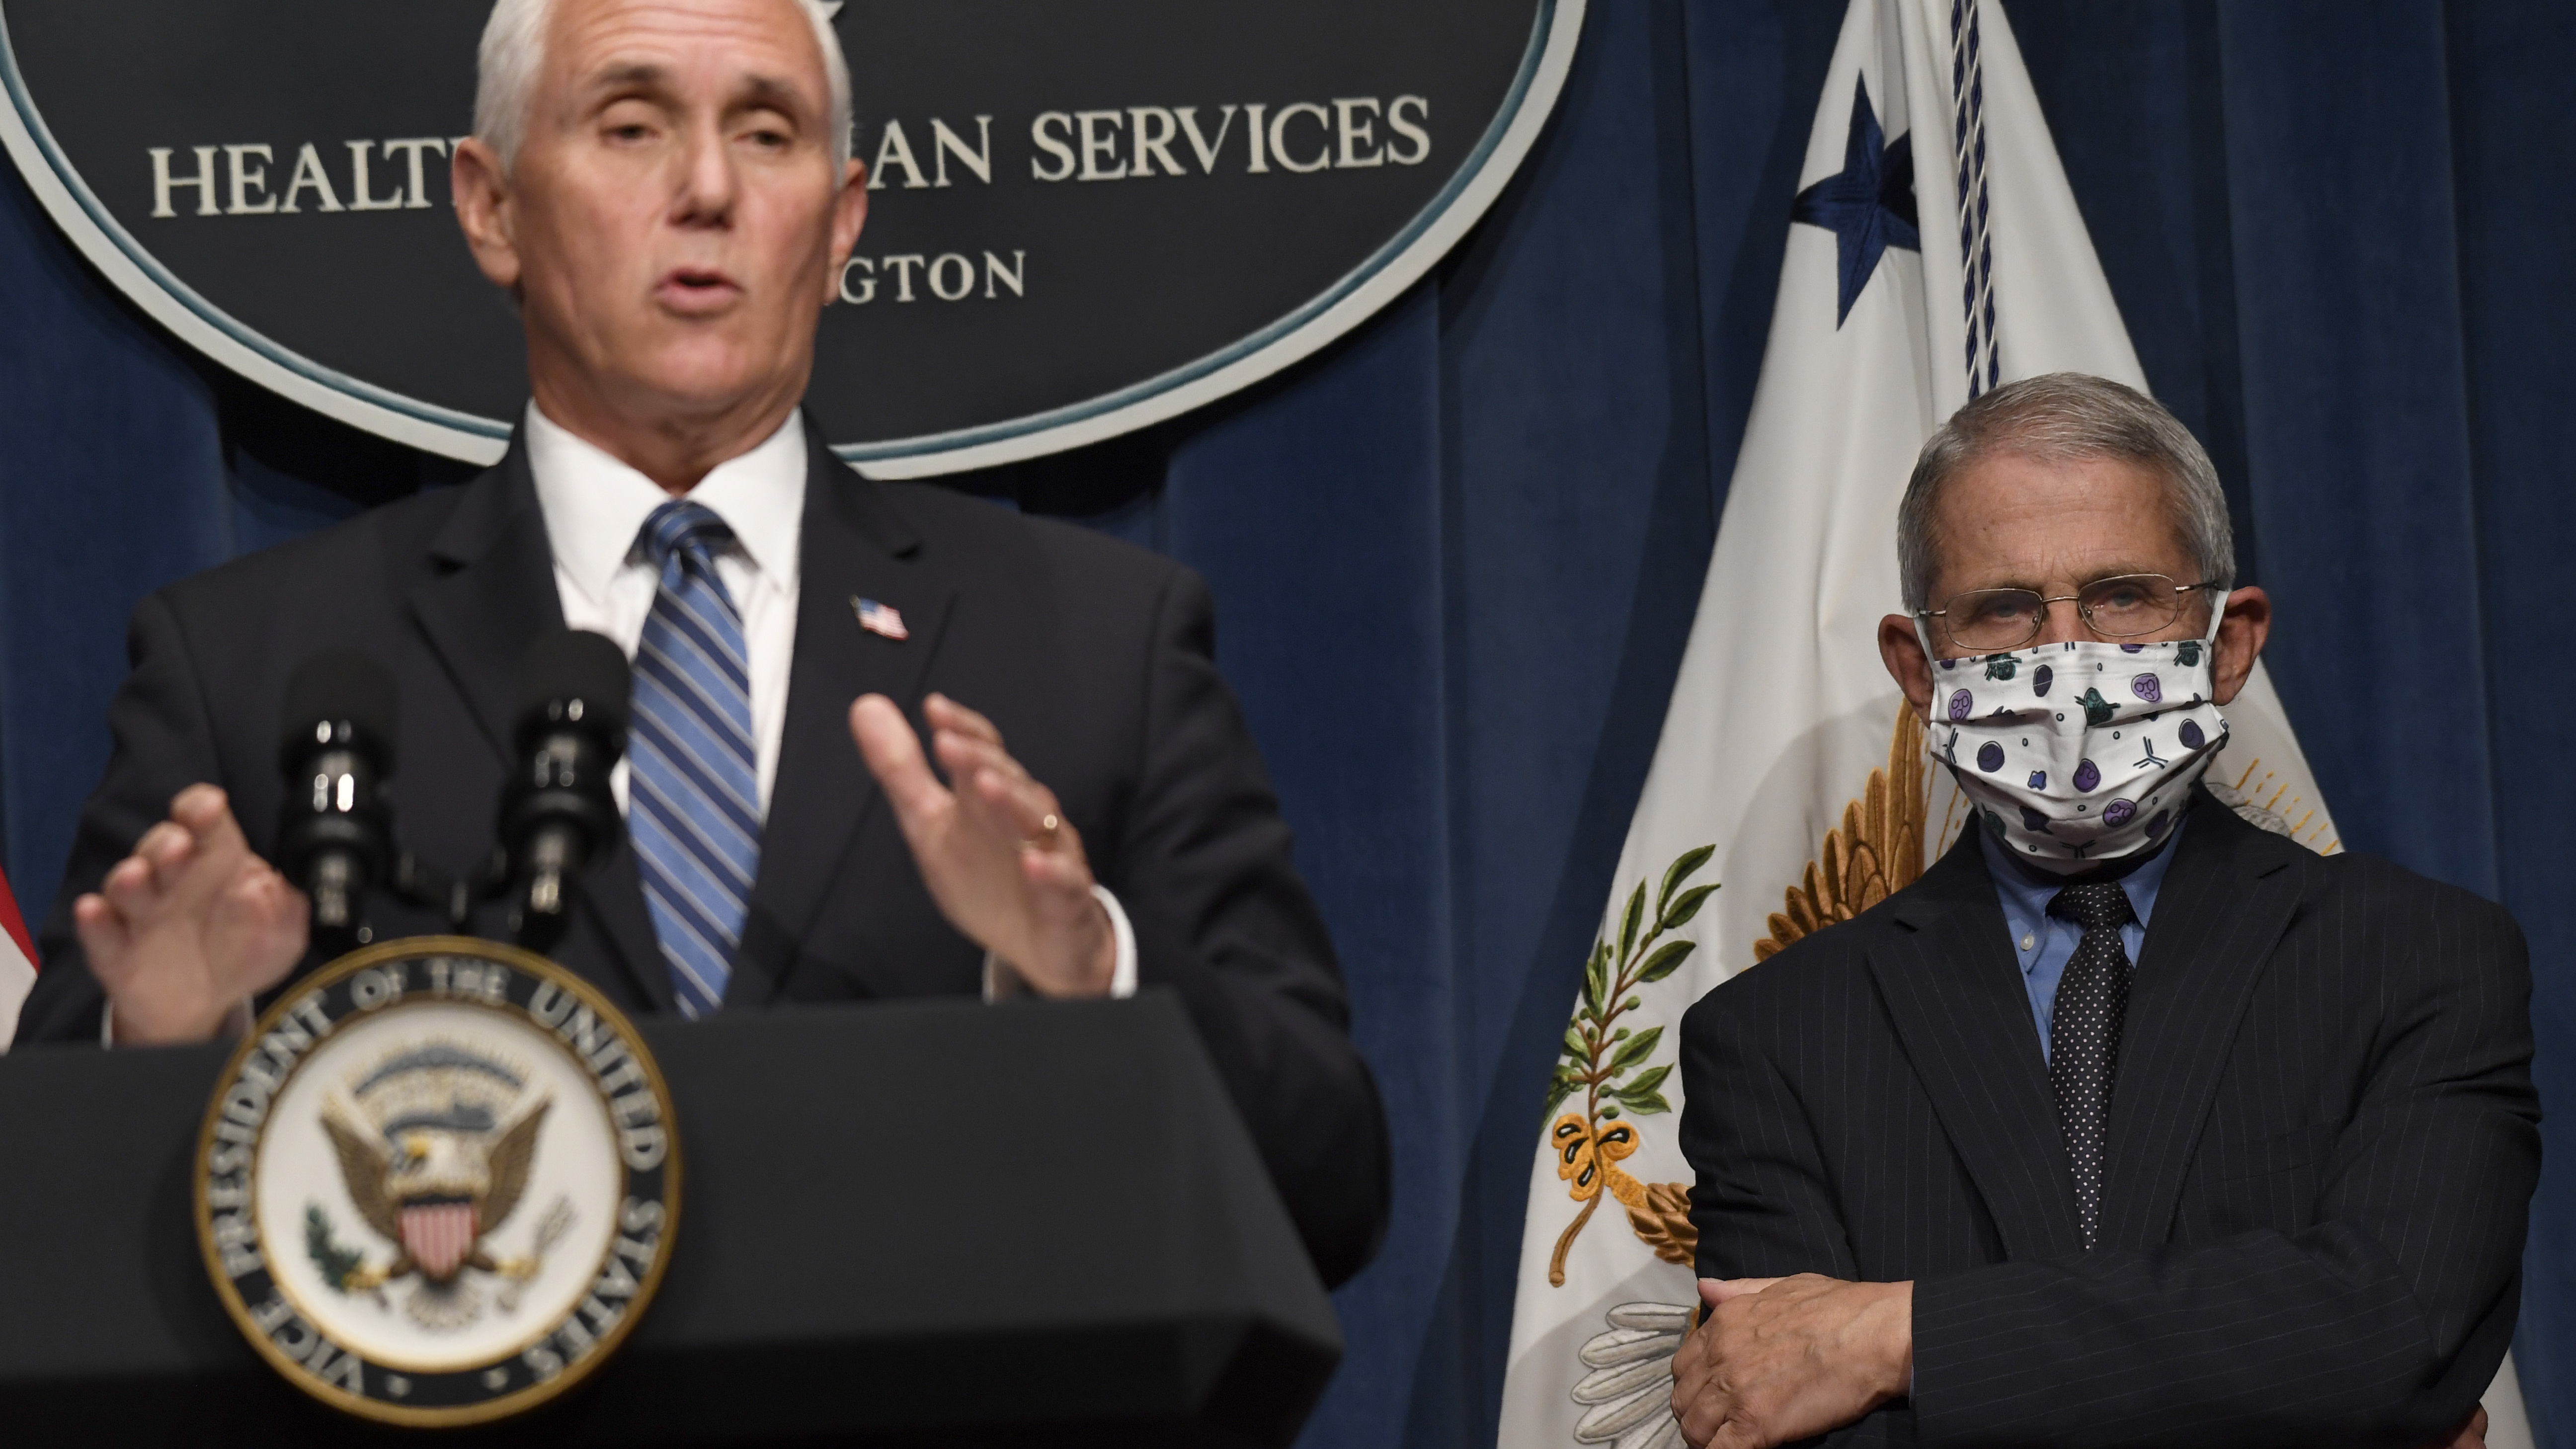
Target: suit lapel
[(1962, 1011), (854, 546), (492, 592), (2223, 906)]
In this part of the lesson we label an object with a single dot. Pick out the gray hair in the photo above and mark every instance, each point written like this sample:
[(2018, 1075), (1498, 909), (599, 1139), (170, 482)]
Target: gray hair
[(2063, 417), (514, 52)]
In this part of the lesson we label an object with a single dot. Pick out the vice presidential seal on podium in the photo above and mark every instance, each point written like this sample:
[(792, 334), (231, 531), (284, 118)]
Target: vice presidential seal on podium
[(438, 1184)]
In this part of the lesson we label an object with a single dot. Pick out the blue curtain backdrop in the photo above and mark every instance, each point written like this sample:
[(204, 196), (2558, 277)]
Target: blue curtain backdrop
[(1455, 557)]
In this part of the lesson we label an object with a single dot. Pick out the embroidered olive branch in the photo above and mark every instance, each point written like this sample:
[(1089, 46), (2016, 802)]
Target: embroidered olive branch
[(1597, 1052)]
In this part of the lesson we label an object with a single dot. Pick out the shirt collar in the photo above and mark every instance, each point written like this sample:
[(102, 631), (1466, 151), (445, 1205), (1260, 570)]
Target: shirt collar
[(594, 505), (2026, 892)]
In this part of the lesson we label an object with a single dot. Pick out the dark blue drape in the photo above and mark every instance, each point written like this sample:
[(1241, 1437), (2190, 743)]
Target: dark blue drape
[(1455, 557), (2336, 231)]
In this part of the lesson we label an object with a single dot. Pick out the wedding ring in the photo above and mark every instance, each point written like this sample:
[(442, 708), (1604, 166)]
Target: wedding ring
[(1047, 825)]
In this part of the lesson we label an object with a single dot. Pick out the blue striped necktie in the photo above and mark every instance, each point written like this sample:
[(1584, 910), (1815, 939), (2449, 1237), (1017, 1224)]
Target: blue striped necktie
[(693, 788)]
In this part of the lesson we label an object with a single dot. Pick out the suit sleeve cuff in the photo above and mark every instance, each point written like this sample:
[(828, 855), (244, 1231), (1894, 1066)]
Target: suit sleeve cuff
[(1003, 983)]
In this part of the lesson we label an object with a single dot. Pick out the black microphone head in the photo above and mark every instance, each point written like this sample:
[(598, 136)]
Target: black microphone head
[(558, 812), (334, 833), (340, 698), (577, 678)]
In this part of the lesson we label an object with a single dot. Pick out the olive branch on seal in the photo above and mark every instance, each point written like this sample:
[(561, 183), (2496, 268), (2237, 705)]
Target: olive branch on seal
[(337, 1263)]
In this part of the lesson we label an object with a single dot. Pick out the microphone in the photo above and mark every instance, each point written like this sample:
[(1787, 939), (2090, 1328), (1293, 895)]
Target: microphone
[(557, 811), (335, 830)]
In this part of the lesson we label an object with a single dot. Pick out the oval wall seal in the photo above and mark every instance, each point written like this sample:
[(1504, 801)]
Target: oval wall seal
[(438, 1183), (1083, 219)]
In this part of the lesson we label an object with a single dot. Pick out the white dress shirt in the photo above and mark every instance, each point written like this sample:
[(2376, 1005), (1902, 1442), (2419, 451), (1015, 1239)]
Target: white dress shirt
[(595, 507)]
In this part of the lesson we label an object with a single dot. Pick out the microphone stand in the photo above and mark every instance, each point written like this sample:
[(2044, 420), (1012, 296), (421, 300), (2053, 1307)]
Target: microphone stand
[(416, 882)]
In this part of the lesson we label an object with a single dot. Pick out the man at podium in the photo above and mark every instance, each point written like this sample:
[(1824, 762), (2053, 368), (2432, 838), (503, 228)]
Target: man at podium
[(665, 190)]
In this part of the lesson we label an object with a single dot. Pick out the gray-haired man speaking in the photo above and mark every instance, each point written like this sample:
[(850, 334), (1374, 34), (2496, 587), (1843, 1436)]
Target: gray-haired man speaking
[(665, 189), (2127, 1123)]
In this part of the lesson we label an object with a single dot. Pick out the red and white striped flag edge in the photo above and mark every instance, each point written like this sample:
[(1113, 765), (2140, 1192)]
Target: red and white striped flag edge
[(17, 963)]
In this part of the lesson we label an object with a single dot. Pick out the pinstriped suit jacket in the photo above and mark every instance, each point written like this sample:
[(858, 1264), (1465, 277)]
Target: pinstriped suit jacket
[(2322, 1150)]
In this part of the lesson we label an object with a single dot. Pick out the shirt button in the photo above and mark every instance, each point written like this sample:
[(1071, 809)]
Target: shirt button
[(2029, 941)]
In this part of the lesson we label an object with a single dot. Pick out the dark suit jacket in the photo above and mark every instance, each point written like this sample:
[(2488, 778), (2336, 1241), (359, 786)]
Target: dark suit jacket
[(1093, 657), (2322, 1149)]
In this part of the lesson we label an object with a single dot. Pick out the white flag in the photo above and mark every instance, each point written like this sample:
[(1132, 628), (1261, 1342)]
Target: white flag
[(1936, 252)]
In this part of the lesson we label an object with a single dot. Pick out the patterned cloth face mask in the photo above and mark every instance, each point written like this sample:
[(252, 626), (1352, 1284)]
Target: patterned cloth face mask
[(2082, 752)]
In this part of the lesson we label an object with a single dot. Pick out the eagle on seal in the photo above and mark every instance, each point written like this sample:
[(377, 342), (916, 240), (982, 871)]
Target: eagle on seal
[(437, 1184)]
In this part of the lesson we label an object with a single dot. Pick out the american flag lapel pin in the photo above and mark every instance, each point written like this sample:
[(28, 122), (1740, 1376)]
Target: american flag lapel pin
[(878, 618)]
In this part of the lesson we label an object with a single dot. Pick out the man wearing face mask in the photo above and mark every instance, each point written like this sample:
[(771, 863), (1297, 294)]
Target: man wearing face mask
[(2129, 1122)]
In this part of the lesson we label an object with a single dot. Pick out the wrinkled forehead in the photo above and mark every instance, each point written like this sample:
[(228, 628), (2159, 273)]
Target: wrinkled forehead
[(761, 48), (2007, 514)]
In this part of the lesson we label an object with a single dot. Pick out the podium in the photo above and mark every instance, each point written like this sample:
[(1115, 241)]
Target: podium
[(906, 1223)]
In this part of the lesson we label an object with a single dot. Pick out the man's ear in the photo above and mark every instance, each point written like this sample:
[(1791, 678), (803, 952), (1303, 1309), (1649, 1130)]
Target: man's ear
[(484, 210), (1902, 651), (849, 216), (2241, 632)]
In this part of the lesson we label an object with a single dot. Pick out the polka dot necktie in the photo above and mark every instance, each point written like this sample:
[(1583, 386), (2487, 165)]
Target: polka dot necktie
[(693, 805), (2084, 1033)]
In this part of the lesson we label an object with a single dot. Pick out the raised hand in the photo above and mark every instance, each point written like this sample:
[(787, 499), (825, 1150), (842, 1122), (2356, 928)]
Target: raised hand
[(1780, 1359), (1005, 866), (190, 926)]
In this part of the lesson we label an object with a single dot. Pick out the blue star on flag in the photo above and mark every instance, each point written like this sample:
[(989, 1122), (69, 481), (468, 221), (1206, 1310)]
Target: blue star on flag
[(1869, 204)]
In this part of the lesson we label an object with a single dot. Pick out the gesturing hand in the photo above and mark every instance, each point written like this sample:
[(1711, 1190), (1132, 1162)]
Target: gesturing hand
[(1779, 1359), (189, 926), (1005, 866)]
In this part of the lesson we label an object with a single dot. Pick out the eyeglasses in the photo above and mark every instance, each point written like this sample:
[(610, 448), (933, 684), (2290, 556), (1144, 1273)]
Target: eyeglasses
[(1988, 621)]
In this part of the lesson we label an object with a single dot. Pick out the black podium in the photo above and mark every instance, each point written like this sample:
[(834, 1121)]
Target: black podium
[(934, 1222)]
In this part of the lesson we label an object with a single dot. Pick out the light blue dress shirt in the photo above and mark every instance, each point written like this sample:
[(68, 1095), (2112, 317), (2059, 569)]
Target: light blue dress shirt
[(2042, 942)]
